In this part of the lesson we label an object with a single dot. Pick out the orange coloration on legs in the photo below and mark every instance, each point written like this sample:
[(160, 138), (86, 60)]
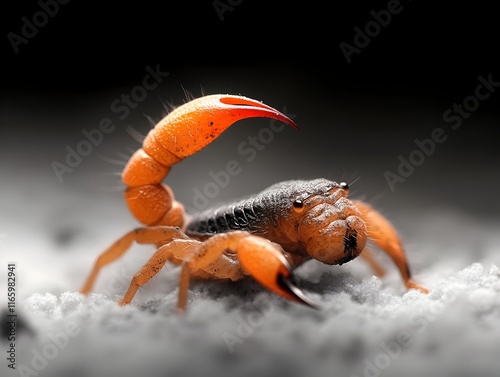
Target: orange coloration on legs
[(368, 257), (156, 235), (177, 248), (381, 231), (290, 223), (263, 260)]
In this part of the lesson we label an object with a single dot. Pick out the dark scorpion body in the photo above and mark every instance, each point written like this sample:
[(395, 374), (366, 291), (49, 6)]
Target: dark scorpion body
[(267, 213)]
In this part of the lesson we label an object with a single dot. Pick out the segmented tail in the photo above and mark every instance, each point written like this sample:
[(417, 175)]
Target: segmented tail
[(182, 133)]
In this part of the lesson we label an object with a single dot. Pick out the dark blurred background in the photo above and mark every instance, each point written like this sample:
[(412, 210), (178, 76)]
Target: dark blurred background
[(356, 117)]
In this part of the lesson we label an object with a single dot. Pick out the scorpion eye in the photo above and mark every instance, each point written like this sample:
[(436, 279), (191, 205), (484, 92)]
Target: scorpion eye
[(298, 205), (344, 186)]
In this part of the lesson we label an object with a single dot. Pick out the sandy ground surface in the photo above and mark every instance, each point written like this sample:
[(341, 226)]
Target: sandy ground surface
[(367, 326)]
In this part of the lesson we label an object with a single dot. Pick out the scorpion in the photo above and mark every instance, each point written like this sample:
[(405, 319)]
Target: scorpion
[(265, 236)]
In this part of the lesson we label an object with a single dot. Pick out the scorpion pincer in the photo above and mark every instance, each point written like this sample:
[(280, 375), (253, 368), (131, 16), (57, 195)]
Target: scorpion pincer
[(265, 236)]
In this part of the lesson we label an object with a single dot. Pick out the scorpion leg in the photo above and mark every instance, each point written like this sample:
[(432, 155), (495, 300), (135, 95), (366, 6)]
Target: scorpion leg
[(178, 248), (367, 255), (381, 231), (258, 257), (153, 235)]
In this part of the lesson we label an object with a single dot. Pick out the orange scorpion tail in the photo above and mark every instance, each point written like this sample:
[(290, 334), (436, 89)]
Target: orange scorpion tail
[(183, 132)]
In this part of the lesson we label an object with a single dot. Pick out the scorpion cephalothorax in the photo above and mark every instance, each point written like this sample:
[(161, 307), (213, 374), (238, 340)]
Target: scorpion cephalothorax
[(305, 217), (265, 235)]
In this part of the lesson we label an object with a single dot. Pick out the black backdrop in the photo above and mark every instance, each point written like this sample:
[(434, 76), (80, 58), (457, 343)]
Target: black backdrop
[(428, 54), (425, 47)]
